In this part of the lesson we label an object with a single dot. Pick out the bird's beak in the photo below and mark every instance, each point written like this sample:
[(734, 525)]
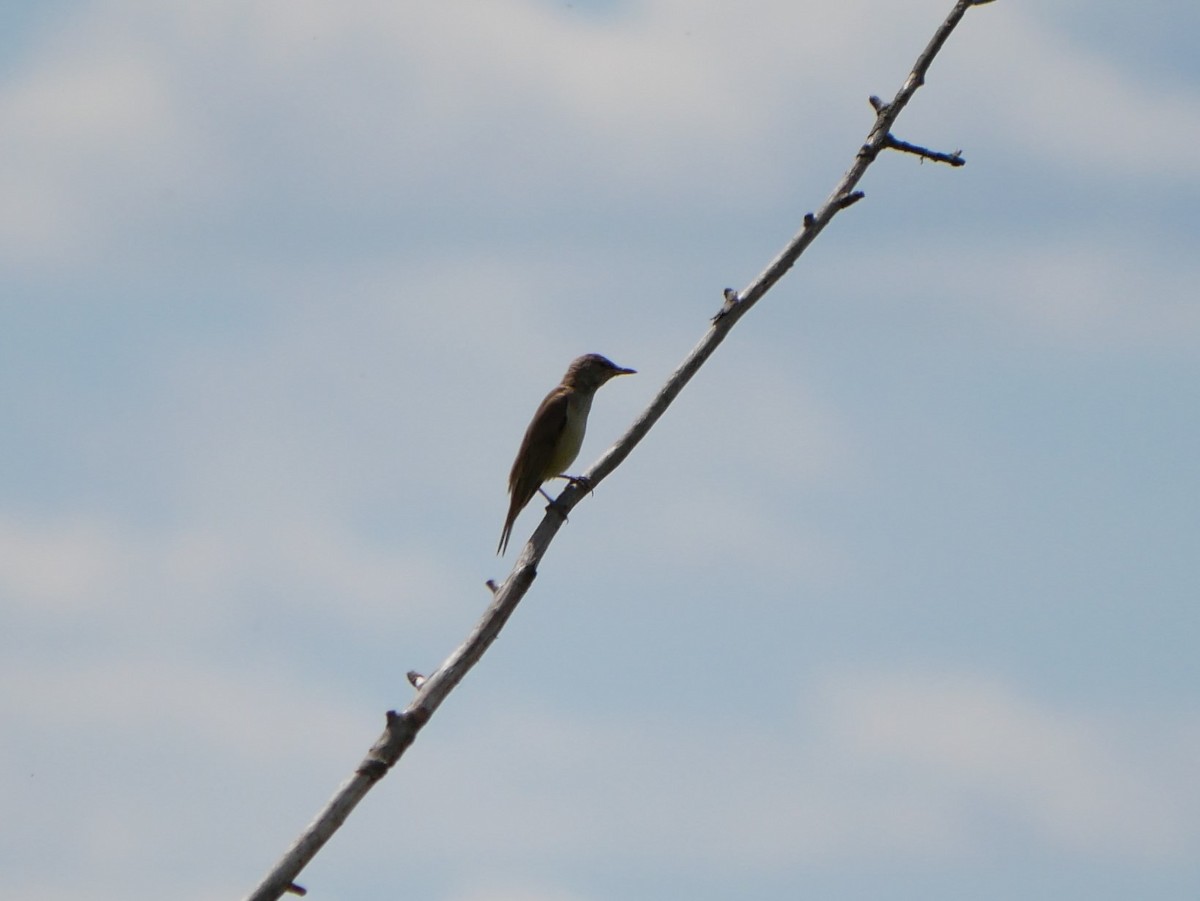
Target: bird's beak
[(621, 371)]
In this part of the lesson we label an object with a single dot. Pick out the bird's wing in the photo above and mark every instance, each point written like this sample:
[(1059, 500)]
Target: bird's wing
[(538, 446), (534, 457)]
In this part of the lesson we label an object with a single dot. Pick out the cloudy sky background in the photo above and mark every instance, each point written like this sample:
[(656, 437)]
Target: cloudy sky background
[(899, 600)]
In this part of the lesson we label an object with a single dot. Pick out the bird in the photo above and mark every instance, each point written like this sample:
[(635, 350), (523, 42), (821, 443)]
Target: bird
[(555, 433)]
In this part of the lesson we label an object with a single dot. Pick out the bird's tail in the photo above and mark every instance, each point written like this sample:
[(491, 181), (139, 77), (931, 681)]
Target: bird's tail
[(513, 510)]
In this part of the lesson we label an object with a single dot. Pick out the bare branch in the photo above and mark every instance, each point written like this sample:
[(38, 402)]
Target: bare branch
[(402, 728)]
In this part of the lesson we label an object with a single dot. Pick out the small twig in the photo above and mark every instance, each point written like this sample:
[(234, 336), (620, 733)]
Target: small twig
[(953, 159)]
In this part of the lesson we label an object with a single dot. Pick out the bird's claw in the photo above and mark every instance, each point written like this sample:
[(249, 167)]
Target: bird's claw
[(582, 481)]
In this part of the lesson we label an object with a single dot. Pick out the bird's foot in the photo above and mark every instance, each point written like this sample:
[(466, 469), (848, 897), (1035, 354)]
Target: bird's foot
[(582, 481)]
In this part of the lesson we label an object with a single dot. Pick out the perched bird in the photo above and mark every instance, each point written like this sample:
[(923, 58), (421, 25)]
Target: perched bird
[(555, 435)]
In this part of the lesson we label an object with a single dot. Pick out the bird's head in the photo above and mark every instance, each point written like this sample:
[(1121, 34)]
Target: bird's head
[(590, 371)]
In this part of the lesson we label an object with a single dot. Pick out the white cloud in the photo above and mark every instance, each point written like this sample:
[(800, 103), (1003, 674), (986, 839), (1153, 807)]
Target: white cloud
[(890, 765), (1084, 289), (122, 120), (97, 142), (1046, 94), (1073, 782), (65, 566), (104, 572), (512, 889), (1110, 292), (143, 769), (171, 702)]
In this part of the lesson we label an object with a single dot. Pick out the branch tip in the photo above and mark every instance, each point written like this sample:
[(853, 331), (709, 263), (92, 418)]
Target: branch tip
[(415, 679), (849, 199), (809, 220), (877, 104), (293, 889)]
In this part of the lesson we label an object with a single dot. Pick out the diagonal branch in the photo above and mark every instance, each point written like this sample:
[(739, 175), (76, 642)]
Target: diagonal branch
[(402, 727)]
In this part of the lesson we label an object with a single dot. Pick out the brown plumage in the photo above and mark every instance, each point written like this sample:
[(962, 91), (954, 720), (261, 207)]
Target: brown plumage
[(555, 433)]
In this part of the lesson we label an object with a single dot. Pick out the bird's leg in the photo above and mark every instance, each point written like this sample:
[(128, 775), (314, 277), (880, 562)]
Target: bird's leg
[(581, 481), (553, 505)]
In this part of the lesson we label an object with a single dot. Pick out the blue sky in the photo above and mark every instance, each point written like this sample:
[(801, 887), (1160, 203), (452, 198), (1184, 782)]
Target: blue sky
[(899, 600)]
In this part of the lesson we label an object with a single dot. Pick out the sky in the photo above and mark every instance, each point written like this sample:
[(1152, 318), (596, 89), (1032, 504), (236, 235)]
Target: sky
[(898, 600)]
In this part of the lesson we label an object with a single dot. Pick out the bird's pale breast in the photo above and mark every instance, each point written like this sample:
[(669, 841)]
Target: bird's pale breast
[(571, 441)]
